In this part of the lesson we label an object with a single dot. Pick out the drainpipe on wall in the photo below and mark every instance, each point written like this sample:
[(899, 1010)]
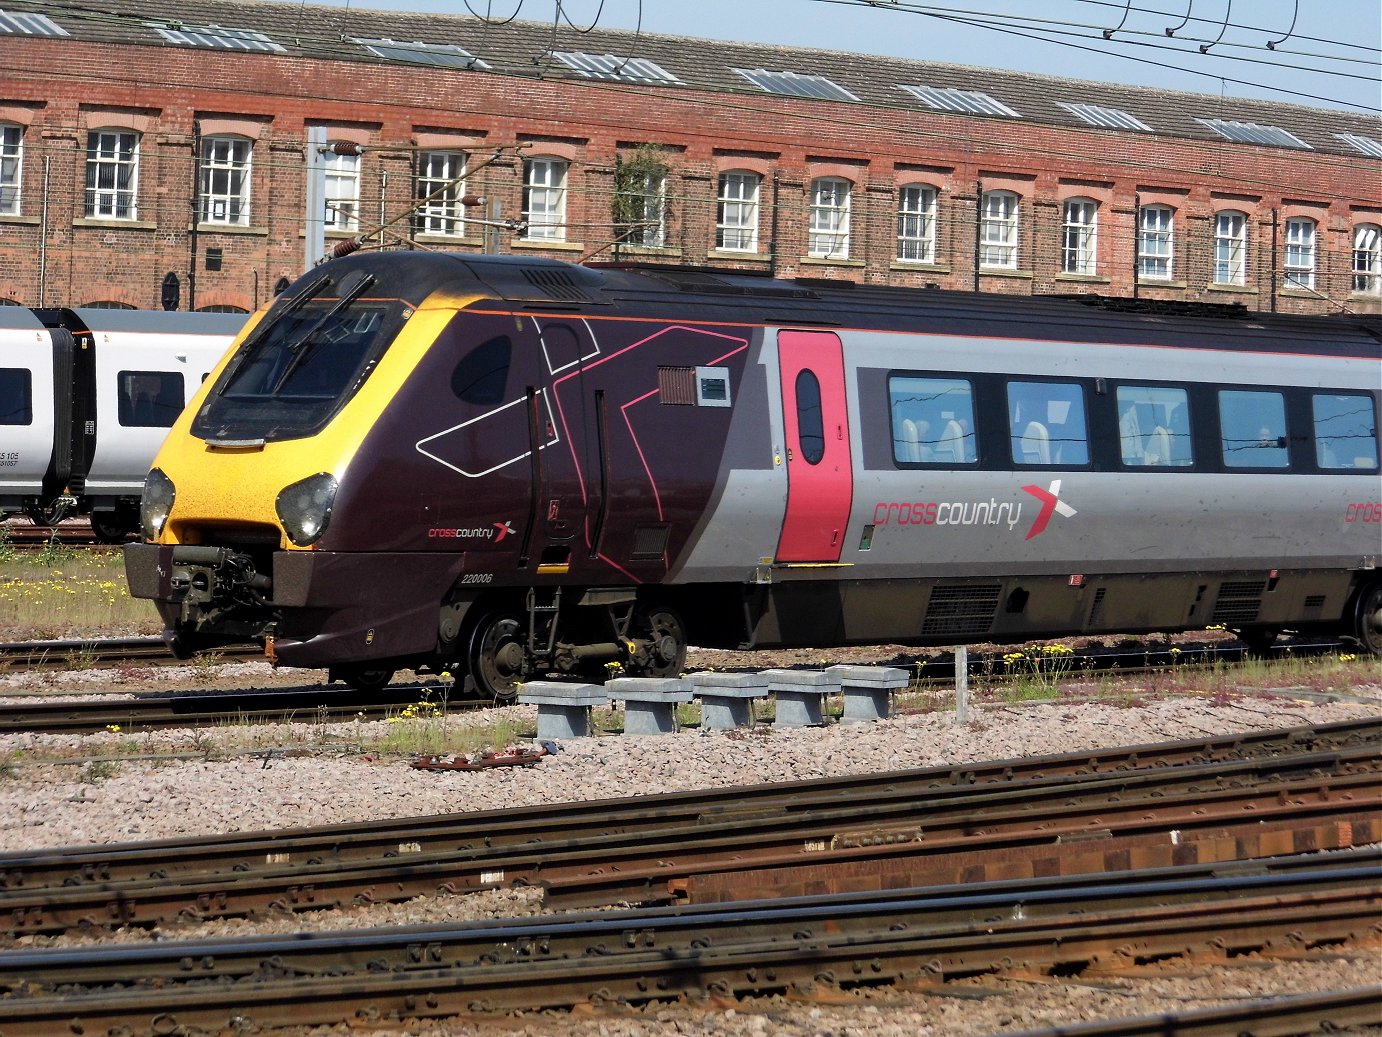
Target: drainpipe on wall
[(772, 243), (1136, 238), (1271, 288), (196, 213), (978, 227), (43, 235)]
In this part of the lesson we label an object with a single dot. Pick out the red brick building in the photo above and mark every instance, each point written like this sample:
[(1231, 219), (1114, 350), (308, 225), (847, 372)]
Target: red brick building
[(150, 138)]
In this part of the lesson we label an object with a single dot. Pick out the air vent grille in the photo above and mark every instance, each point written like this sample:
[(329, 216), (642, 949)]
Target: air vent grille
[(964, 609), (557, 284), (1239, 601)]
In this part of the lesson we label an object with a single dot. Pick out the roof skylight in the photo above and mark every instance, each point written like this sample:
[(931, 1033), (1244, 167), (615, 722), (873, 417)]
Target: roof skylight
[(610, 66), (970, 102), (1252, 133), (442, 55), (795, 84), (1366, 145), (26, 24), (1108, 118), (215, 37)]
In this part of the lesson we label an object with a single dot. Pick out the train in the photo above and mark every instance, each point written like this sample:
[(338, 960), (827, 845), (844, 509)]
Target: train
[(505, 467), (86, 397)]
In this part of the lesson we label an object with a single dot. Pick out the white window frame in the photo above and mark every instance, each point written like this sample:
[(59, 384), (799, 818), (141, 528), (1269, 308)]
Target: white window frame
[(544, 199), (439, 185), (11, 167), (1230, 247), (648, 212), (998, 230), (1079, 252), (1156, 243), (828, 225), (112, 174), (1367, 259), (916, 223), (342, 190), (225, 180), (1298, 264), (736, 211)]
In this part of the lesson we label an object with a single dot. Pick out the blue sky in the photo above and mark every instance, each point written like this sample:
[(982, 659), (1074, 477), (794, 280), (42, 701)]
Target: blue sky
[(1331, 59)]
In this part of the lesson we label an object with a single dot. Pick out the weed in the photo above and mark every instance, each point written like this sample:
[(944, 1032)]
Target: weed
[(206, 666), (7, 765), (96, 771), (55, 552)]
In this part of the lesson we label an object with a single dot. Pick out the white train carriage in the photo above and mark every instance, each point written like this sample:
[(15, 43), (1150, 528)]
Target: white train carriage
[(86, 399)]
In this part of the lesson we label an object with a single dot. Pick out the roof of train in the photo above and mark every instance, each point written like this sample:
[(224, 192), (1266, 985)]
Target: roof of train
[(697, 294)]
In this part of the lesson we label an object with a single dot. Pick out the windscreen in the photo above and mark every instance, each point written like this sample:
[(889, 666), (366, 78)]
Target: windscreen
[(311, 353)]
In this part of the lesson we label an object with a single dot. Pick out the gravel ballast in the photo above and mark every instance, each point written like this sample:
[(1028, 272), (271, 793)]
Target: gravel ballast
[(54, 795)]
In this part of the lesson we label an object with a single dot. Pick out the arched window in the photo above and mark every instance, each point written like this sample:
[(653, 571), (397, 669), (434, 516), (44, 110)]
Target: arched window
[(736, 212), (11, 167), (225, 180), (1156, 242), (916, 223), (1367, 259), (829, 233), (544, 199), (439, 187), (998, 230), (1230, 247), (1079, 236), (112, 174), (1300, 252)]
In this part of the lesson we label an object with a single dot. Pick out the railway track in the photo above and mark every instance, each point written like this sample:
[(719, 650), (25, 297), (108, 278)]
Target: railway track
[(154, 710), (806, 947), (1250, 796)]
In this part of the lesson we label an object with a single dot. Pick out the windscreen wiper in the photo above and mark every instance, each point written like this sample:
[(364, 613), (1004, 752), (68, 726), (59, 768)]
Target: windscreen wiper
[(261, 333), (306, 343)]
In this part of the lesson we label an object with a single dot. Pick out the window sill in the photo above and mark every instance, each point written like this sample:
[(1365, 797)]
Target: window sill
[(557, 246), (449, 239), (1002, 271), (1084, 278), (660, 251), (913, 266), (826, 261), (738, 257), (233, 228), (1232, 289), (1145, 282), (1297, 292), (28, 221), (88, 223)]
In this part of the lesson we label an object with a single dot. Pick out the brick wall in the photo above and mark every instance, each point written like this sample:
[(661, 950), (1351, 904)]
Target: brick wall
[(51, 254)]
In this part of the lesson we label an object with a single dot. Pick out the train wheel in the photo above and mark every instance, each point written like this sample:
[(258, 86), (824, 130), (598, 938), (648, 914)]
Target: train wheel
[(1258, 640), (498, 662), (107, 529), (366, 678), (1367, 625), (667, 652)]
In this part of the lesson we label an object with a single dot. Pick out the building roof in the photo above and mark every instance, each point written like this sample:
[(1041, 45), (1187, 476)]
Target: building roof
[(536, 50)]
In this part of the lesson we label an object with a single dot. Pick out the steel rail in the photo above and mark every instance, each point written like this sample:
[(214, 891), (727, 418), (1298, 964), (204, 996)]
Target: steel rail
[(464, 831), (814, 962), (1332, 797), (1299, 1015), (676, 928)]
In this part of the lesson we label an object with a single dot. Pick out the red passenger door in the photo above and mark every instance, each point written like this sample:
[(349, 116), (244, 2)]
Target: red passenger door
[(820, 486)]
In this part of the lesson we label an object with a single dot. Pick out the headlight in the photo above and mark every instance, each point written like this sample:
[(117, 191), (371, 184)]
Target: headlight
[(304, 508), (155, 503)]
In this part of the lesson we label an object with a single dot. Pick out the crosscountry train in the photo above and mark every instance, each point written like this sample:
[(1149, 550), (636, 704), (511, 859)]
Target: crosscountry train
[(507, 467), (86, 397)]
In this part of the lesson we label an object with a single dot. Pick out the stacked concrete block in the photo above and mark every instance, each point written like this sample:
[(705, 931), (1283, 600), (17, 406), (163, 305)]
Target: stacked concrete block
[(867, 691), (799, 695), (727, 698), (650, 703), (563, 710)]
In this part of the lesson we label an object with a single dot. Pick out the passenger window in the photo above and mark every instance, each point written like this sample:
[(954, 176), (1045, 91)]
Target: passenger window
[(482, 373), (810, 421), (1253, 427), (16, 396), (1345, 431), (1046, 422), (149, 399), (932, 420), (1154, 426)]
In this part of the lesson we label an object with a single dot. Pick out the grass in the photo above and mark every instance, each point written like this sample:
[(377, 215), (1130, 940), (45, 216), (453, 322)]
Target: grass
[(62, 594)]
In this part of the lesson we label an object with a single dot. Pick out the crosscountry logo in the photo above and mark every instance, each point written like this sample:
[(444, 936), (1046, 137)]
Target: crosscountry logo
[(1050, 501)]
